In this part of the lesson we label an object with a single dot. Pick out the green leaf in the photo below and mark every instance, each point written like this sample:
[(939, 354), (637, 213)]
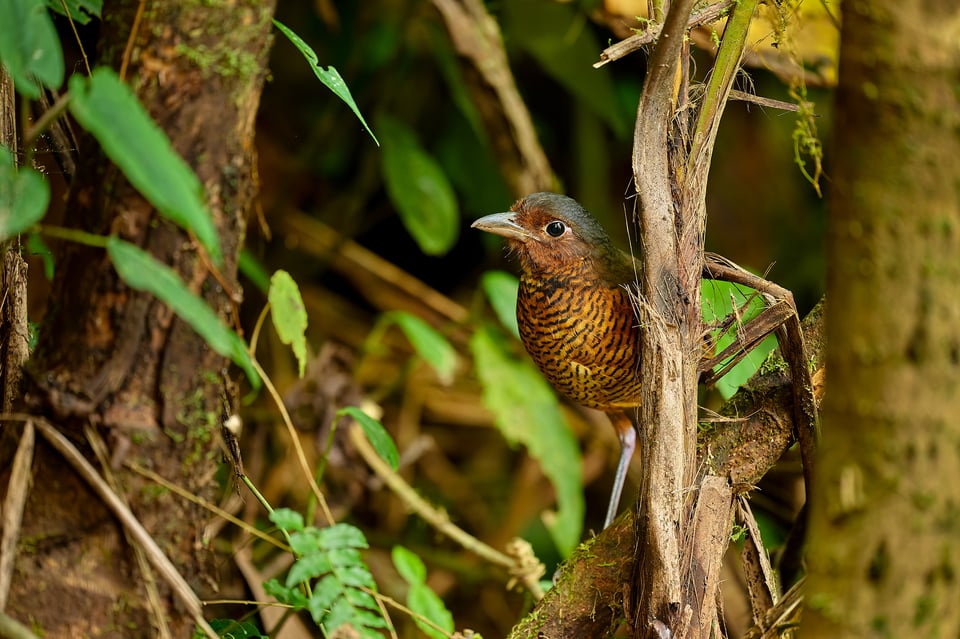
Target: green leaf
[(111, 112), (29, 46), (718, 302), (409, 565), (501, 289), (289, 520), (429, 344), (80, 11), (342, 536), (379, 437), (251, 267), (142, 272), (329, 76), (419, 189), (24, 196), (289, 315), (232, 629), (425, 602), (526, 410), (420, 598)]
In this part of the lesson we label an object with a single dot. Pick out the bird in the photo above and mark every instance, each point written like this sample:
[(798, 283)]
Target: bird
[(574, 311)]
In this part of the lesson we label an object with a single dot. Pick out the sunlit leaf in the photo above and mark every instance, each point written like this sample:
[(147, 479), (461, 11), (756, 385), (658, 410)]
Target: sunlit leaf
[(329, 76), (429, 344), (143, 272), (379, 437), (526, 411), (289, 315), (29, 46), (24, 196), (719, 298), (419, 189), (107, 108)]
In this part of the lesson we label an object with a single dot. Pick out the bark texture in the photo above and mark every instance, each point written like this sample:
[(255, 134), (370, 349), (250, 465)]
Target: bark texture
[(118, 363), (884, 548)]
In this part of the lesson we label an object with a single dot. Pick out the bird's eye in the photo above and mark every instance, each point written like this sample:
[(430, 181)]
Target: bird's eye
[(555, 228)]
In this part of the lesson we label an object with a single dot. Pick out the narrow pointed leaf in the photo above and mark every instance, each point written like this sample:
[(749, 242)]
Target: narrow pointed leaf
[(329, 76), (143, 272)]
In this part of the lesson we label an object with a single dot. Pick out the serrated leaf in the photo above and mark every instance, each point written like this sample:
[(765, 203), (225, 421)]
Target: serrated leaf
[(233, 629), (526, 411), (379, 437), (718, 299), (501, 290), (288, 519), (24, 196), (107, 108), (284, 594), (425, 602), (419, 189), (308, 567), (142, 272), (289, 315), (342, 536), (329, 76), (80, 11), (429, 344), (409, 565), (29, 46), (306, 541)]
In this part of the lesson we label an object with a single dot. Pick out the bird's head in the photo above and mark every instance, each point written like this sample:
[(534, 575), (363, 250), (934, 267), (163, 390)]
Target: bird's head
[(550, 232)]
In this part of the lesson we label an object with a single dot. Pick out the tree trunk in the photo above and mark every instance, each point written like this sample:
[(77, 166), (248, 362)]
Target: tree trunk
[(884, 531), (117, 362)]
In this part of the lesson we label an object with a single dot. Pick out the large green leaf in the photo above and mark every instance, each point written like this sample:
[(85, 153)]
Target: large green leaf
[(419, 189), (526, 411), (24, 195), (107, 108), (719, 299), (142, 272), (330, 77), (29, 46)]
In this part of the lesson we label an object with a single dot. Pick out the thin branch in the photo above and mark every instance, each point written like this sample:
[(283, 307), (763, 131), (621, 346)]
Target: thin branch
[(130, 523)]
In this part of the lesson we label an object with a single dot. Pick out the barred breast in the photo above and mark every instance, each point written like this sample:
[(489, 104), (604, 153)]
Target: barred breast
[(583, 335)]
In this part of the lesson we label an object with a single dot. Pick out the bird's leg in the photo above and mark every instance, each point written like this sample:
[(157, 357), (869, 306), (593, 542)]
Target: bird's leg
[(627, 435)]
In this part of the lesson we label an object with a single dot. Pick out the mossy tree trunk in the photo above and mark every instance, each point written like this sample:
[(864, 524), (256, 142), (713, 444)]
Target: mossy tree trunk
[(884, 553), (118, 361)]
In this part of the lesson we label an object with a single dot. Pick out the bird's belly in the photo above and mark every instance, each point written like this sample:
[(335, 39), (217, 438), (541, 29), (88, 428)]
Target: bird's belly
[(586, 345)]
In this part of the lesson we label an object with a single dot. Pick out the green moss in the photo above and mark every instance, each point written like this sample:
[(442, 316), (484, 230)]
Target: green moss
[(924, 607), (223, 59)]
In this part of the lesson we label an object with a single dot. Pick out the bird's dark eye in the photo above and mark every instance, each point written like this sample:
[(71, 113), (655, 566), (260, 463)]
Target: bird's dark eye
[(555, 228)]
